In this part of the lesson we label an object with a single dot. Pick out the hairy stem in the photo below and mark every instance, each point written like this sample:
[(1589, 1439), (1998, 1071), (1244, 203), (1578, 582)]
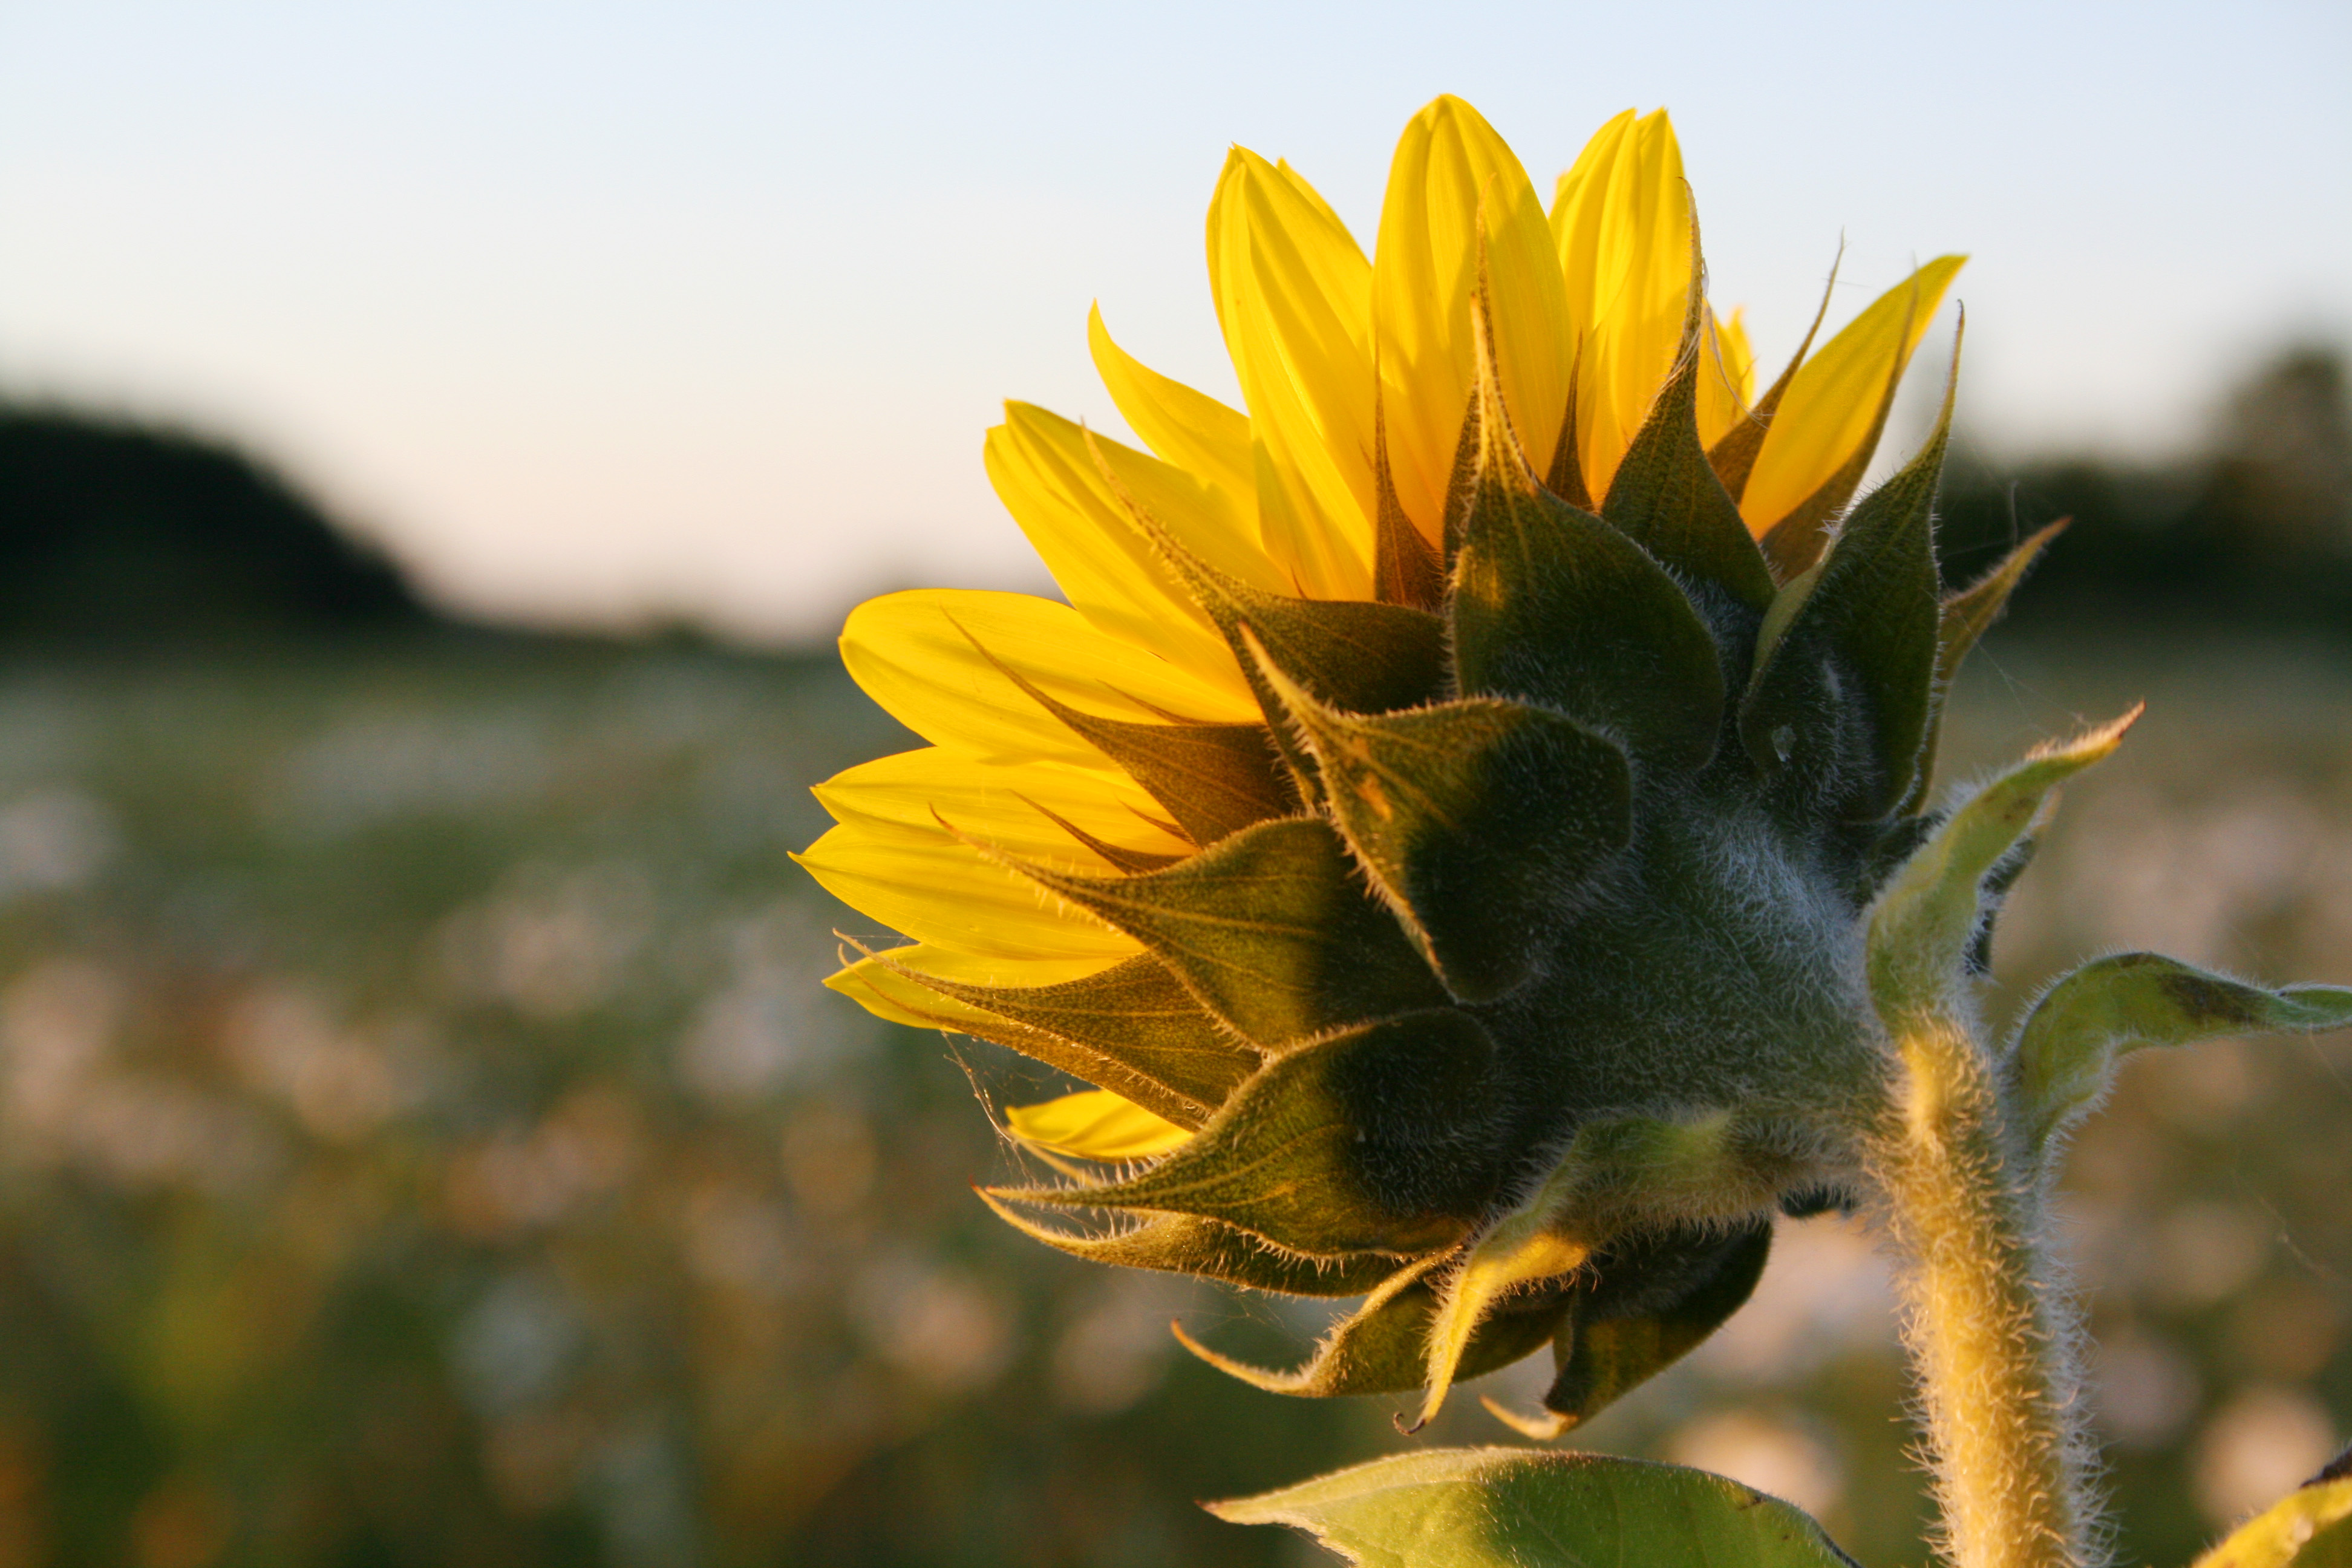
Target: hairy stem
[(1990, 1337)]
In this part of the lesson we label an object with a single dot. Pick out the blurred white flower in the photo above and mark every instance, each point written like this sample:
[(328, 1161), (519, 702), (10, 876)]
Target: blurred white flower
[(54, 840), (1826, 1291), (2203, 1253), (341, 1086), (1116, 1347), (1776, 1456), (2260, 1446), (2144, 1387), (771, 1024), (947, 1331)]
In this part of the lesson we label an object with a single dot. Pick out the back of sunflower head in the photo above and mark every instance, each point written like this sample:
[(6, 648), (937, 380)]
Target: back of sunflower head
[(1466, 829)]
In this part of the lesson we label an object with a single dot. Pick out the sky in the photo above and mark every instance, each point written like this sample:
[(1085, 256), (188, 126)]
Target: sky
[(607, 314)]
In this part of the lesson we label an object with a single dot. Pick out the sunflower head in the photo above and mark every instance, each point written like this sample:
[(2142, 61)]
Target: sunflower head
[(1442, 823)]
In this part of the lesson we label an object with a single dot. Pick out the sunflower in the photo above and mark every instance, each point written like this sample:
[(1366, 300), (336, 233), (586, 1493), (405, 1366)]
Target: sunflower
[(1440, 823)]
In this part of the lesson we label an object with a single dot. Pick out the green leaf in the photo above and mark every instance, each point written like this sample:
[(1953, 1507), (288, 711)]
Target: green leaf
[(1367, 656), (1995, 893), (1405, 570), (1135, 1013), (1655, 1299), (1847, 683), (1213, 779), (1619, 1177), (1883, 852), (1518, 1508), (1665, 496), (1968, 615), (1476, 820), (1127, 861), (922, 997), (2311, 1529), (1733, 458), (1794, 542), (1566, 479), (1211, 1249), (1364, 654), (2067, 1051), (1462, 479), (1270, 928), (1924, 922), (1382, 1139), (1552, 604), (1378, 1348)]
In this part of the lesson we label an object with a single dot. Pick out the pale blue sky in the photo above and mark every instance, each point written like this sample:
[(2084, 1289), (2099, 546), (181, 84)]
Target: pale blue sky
[(602, 311)]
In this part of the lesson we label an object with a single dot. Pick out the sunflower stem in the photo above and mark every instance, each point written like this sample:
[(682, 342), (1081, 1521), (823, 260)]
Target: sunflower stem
[(1992, 1335)]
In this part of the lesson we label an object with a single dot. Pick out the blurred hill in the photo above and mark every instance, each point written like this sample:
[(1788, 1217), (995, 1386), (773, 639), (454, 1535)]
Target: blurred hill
[(131, 537), (2255, 528), (127, 538)]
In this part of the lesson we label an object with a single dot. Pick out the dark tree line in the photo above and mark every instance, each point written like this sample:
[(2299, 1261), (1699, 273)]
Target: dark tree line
[(118, 536), (2255, 528)]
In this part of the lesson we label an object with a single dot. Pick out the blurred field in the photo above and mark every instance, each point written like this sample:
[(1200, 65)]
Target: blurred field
[(426, 1142)]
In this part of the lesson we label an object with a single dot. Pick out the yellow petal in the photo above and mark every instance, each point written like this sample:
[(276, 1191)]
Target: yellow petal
[(887, 993), (1188, 429), (1293, 298), (1450, 167), (1004, 805), (1051, 482), (1727, 379), (908, 652), (1832, 403), (1095, 1125), (948, 894), (1621, 218)]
